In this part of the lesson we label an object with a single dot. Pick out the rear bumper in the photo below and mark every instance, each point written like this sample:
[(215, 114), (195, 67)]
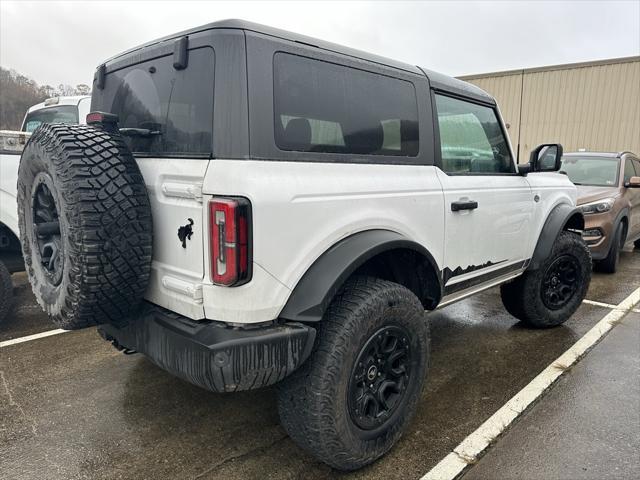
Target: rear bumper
[(213, 355)]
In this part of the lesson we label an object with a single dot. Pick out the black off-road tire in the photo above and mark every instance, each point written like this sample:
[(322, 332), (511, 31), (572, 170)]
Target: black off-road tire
[(314, 403), (609, 264), (6, 292), (102, 261), (637, 244), (523, 297)]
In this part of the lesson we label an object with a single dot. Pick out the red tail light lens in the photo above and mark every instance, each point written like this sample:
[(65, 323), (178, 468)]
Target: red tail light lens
[(230, 236)]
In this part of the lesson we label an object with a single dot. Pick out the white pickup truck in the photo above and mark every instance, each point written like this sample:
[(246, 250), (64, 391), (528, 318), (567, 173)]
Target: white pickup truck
[(53, 110)]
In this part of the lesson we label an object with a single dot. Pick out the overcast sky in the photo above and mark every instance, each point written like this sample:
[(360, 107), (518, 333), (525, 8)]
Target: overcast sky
[(63, 42)]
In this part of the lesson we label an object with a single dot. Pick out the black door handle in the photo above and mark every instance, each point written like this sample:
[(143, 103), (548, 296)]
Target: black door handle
[(463, 205)]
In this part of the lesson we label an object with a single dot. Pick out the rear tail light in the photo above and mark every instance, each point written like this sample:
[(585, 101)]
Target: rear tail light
[(230, 237)]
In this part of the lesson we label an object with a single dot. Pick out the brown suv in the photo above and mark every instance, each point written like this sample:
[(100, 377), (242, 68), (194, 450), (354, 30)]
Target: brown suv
[(609, 196)]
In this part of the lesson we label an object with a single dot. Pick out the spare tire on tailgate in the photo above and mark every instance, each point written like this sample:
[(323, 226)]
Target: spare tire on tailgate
[(85, 225)]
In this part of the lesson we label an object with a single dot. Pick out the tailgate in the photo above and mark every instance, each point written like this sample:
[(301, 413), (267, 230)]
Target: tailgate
[(175, 193)]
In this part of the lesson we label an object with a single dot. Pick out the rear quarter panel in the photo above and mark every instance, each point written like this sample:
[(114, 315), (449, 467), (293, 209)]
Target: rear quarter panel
[(301, 209)]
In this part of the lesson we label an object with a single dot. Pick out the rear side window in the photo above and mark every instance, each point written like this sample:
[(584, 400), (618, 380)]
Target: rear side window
[(59, 114), (471, 139), (329, 108), (155, 97)]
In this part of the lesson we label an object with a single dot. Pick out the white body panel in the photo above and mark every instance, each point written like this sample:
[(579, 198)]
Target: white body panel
[(301, 209), (492, 233), (175, 194), (552, 189)]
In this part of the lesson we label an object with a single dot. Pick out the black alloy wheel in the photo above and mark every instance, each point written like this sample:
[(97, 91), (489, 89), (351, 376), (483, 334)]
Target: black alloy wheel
[(560, 282), (380, 377), (46, 229)]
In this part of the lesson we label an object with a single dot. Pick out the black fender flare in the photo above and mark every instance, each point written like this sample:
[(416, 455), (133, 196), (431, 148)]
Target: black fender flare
[(556, 222), (317, 287)]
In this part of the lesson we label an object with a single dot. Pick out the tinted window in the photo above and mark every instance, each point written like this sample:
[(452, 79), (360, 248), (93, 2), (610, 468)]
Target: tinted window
[(629, 171), (591, 170), (323, 107), (471, 139), (60, 114), (155, 96)]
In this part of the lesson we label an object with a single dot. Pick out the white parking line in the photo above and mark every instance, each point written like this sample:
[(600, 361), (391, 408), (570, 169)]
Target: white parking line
[(607, 305), (470, 449), (15, 341)]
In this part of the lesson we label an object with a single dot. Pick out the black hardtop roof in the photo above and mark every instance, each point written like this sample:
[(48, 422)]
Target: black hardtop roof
[(437, 80)]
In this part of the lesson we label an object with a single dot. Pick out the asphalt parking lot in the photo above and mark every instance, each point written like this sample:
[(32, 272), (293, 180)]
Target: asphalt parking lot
[(71, 406)]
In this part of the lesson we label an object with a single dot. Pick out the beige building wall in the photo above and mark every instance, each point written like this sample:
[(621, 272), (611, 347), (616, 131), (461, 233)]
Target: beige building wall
[(593, 105)]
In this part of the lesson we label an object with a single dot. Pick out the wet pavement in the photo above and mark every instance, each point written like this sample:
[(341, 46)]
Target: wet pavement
[(71, 406), (587, 426)]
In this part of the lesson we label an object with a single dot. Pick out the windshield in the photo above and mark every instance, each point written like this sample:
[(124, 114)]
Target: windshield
[(595, 171), (59, 114), (177, 105)]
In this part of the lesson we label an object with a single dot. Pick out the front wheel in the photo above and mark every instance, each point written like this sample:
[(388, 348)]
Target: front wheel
[(637, 244), (353, 398), (548, 296)]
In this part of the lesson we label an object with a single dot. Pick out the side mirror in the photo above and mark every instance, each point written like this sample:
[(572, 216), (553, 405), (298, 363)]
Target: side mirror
[(634, 182), (546, 157)]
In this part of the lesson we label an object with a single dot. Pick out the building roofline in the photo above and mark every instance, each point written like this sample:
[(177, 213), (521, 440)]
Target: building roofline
[(563, 66)]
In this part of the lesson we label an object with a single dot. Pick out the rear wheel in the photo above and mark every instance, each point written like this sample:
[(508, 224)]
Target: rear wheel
[(6, 291), (610, 263), (548, 296), (85, 225), (352, 399)]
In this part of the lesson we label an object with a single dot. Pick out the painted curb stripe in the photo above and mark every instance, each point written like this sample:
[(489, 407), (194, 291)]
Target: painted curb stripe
[(15, 341), (607, 305), (470, 449)]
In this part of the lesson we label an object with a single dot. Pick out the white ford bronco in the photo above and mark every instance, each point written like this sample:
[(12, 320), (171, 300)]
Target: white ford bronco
[(249, 206)]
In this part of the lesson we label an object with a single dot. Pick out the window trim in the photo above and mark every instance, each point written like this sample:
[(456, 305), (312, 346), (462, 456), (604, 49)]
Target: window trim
[(436, 136), (409, 159)]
